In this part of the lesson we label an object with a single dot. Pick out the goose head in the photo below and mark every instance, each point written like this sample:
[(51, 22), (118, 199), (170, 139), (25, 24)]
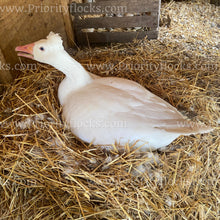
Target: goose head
[(51, 51), (44, 51)]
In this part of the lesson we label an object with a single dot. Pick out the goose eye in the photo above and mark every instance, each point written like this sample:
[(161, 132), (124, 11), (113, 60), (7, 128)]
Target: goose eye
[(42, 48)]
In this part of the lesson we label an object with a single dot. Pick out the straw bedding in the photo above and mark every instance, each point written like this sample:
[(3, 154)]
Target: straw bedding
[(46, 173)]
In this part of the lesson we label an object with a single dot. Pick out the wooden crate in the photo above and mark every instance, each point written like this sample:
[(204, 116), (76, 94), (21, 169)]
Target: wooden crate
[(117, 20), (216, 2)]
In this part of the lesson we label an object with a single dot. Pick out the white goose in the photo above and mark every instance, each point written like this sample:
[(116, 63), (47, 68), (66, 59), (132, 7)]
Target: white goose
[(109, 110)]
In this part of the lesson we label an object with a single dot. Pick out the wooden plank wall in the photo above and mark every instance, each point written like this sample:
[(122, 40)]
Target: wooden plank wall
[(5, 75), (95, 16)]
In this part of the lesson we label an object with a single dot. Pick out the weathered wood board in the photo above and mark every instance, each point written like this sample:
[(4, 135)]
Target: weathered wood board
[(116, 37), (5, 75), (216, 2), (117, 22)]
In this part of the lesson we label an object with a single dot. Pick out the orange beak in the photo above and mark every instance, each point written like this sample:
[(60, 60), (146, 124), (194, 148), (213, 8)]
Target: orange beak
[(26, 50)]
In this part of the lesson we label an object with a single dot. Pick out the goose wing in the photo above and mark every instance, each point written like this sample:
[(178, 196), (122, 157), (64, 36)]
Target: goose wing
[(120, 99)]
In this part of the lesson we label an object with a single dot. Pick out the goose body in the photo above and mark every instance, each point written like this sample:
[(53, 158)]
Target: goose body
[(109, 110)]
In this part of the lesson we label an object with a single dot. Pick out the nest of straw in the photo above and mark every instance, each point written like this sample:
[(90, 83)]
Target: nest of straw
[(46, 173)]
